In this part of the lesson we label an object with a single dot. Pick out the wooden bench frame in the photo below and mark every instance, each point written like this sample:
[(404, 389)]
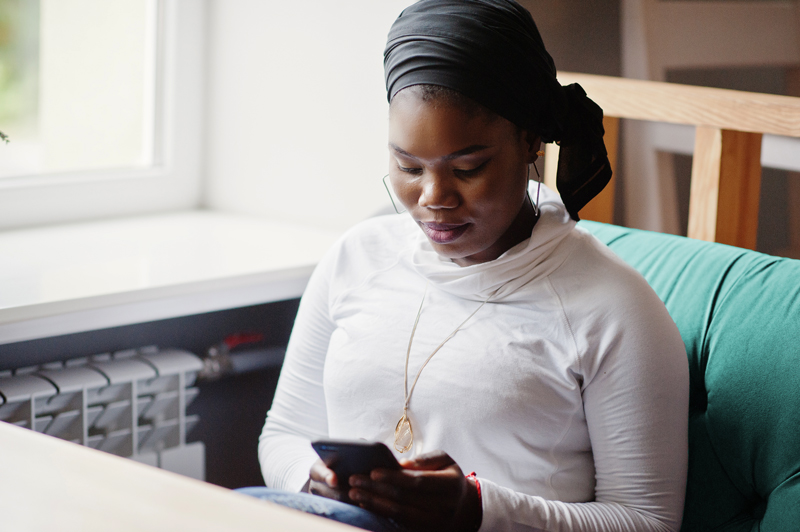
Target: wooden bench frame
[(726, 168)]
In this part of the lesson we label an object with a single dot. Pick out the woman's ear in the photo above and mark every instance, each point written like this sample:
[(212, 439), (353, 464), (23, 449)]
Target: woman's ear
[(534, 143)]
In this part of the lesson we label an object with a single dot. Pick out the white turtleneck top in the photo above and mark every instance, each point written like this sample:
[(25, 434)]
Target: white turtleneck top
[(567, 393)]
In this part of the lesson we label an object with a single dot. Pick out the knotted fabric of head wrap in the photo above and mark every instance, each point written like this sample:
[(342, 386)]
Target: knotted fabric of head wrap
[(491, 52)]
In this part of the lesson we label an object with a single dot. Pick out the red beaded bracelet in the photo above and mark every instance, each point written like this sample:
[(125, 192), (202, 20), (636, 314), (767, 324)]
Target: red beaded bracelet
[(474, 477)]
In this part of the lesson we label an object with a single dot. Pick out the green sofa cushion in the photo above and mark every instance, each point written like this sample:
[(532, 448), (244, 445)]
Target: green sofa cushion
[(738, 312)]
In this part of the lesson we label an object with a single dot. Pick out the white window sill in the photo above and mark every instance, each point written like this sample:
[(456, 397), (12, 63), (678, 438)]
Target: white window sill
[(80, 277)]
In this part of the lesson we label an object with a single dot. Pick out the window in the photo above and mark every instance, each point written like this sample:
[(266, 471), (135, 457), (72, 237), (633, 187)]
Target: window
[(102, 102)]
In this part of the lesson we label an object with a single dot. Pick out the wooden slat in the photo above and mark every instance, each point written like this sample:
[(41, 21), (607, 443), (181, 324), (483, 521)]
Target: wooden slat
[(793, 178), (551, 152), (793, 200), (740, 189), (704, 193), (684, 104), (726, 182)]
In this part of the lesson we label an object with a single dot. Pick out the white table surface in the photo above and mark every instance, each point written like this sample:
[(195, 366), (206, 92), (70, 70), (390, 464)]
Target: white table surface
[(51, 485), (80, 277)]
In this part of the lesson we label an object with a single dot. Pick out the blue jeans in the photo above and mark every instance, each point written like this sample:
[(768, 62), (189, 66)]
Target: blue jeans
[(338, 511)]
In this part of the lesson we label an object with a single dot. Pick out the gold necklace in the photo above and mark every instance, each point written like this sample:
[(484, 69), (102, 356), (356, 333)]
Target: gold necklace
[(403, 433)]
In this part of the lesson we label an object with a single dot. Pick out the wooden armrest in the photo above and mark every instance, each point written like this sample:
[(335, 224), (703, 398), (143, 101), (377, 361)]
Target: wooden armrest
[(726, 170)]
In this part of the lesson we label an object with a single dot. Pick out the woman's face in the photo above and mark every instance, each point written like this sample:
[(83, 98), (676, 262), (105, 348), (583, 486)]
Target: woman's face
[(462, 176)]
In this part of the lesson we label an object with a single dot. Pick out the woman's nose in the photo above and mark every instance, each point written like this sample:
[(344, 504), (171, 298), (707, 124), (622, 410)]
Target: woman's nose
[(438, 192)]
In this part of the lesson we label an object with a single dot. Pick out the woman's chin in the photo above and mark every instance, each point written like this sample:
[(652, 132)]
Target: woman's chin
[(456, 254)]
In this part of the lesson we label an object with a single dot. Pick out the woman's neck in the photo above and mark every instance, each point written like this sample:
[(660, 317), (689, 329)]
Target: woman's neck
[(519, 230)]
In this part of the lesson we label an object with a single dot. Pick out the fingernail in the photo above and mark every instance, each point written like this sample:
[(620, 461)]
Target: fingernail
[(355, 495), (357, 482)]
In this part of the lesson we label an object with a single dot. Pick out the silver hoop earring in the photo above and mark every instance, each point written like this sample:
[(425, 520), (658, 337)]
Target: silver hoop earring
[(536, 210), (391, 196)]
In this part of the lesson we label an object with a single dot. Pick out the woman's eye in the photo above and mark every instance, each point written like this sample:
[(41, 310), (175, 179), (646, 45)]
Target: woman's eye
[(466, 172), (409, 170)]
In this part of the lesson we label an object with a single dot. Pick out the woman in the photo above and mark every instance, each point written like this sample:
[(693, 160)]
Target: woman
[(482, 330)]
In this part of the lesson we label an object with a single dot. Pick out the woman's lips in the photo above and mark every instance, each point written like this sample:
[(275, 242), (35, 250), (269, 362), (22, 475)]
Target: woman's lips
[(443, 233)]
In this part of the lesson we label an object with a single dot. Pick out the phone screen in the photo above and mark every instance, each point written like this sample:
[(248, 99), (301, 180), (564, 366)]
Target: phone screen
[(347, 457)]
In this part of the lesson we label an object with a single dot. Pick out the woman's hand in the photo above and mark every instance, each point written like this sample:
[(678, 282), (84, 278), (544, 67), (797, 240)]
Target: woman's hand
[(324, 482), (430, 493)]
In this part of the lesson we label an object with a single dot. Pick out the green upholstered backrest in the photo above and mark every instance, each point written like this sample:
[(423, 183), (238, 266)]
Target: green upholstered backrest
[(738, 312)]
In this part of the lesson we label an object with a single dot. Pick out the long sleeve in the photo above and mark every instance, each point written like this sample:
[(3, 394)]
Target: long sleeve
[(635, 397), (639, 453), (298, 413)]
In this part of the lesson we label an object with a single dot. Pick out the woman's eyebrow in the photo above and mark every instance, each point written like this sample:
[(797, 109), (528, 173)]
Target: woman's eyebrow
[(460, 153)]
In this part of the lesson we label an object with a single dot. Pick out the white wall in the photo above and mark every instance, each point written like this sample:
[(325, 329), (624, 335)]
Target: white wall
[(297, 112)]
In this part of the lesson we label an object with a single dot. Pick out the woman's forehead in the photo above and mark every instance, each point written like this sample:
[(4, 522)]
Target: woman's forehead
[(425, 129)]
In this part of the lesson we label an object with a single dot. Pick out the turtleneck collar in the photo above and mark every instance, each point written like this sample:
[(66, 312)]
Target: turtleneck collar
[(513, 269)]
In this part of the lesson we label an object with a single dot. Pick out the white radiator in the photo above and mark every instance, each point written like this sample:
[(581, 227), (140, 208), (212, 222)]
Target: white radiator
[(130, 403)]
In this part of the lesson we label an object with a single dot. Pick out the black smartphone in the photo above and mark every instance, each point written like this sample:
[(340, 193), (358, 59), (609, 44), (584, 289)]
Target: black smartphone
[(351, 457)]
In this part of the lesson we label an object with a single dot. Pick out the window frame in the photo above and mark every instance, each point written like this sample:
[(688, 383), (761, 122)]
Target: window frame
[(173, 181)]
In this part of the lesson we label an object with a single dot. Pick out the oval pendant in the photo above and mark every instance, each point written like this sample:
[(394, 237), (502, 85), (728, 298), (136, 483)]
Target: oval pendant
[(403, 435)]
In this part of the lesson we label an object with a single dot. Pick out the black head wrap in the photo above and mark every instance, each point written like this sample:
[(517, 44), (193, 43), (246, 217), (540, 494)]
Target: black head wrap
[(491, 52)]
